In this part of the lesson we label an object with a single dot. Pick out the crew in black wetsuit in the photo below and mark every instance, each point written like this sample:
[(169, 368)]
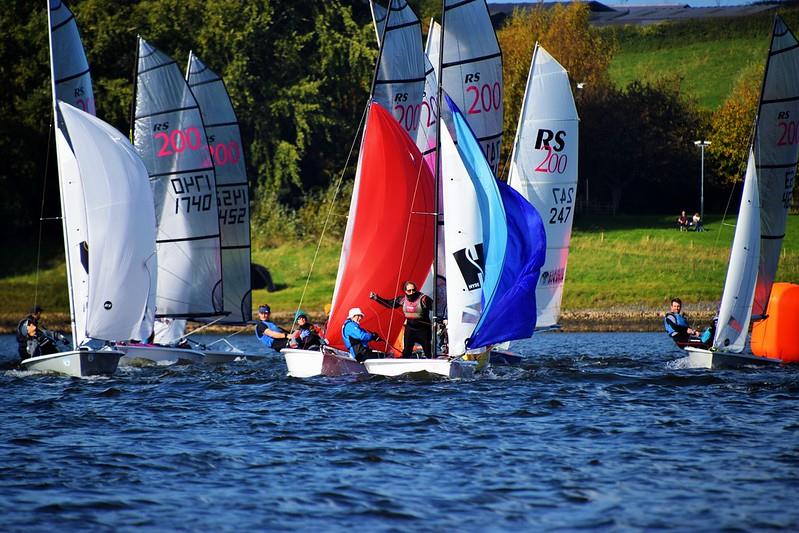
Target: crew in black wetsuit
[(416, 308), (34, 340)]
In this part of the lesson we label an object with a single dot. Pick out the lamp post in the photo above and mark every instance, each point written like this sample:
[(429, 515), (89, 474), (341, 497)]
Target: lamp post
[(702, 144)]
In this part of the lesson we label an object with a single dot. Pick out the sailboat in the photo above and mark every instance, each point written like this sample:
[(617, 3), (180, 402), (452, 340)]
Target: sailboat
[(108, 221), (760, 229), (379, 252), (169, 135), (543, 169), (232, 190)]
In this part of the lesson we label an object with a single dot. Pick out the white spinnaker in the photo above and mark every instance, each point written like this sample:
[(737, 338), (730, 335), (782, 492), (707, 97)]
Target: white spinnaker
[(464, 247), (224, 139), (544, 170), (776, 149), (169, 135), (399, 84), (739, 286), (70, 69), (472, 71), (120, 224)]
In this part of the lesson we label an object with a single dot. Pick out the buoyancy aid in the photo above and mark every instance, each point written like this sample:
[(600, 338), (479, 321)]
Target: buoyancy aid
[(412, 310)]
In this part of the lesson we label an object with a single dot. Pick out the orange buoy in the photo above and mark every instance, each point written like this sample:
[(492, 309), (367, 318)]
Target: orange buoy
[(777, 337)]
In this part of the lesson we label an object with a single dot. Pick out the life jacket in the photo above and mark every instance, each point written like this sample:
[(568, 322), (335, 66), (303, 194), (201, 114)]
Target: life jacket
[(412, 310)]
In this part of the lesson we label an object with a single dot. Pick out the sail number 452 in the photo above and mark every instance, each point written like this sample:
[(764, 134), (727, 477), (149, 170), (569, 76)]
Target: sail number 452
[(564, 198)]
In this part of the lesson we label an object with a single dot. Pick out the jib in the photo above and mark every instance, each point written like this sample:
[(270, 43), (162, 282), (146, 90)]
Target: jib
[(471, 78), (545, 136), (161, 126)]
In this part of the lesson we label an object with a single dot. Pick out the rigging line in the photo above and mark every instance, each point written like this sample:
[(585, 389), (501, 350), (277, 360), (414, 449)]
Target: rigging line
[(195, 330), (329, 215), (41, 213)]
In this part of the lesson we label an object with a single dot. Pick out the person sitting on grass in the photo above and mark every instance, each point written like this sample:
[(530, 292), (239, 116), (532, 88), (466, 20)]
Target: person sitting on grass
[(269, 333), (696, 222), (682, 221)]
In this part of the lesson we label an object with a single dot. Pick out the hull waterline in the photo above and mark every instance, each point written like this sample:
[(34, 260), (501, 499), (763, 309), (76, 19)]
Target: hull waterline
[(76, 363)]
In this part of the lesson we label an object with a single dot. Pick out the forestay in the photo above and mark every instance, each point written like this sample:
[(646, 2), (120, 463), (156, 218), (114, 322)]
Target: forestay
[(400, 77), (170, 138), (225, 146), (110, 223), (739, 286), (472, 71), (544, 170), (514, 243), (776, 149), (70, 69), (389, 235)]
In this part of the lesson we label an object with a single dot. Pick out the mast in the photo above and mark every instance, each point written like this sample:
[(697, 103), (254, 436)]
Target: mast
[(135, 85), (437, 177)]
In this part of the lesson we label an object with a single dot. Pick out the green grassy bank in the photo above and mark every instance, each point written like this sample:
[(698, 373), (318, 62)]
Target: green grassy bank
[(620, 265)]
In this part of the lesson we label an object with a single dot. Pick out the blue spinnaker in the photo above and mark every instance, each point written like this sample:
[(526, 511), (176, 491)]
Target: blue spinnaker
[(514, 242)]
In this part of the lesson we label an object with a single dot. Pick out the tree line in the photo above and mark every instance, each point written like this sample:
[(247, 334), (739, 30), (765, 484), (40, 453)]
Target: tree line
[(299, 75)]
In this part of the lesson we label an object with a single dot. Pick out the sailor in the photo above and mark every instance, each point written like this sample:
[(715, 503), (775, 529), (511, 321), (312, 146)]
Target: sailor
[(269, 333), (356, 339), (306, 336), (33, 338), (679, 329), (416, 308)]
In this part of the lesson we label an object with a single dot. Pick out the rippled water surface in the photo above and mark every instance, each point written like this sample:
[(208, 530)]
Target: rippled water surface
[(595, 431)]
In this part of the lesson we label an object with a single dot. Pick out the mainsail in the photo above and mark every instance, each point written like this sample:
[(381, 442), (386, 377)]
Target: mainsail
[(109, 222), (170, 137), (389, 237), (544, 170), (225, 146), (776, 149), (472, 71), (400, 78), (70, 69), (739, 286)]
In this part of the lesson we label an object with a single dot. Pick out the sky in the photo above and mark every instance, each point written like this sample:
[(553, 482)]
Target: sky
[(692, 3)]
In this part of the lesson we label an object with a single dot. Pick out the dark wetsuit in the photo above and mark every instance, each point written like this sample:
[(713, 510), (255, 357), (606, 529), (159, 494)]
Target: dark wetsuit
[(418, 327)]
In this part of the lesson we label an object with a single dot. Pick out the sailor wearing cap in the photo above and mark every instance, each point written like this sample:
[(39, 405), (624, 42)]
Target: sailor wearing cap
[(268, 332), (356, 339)]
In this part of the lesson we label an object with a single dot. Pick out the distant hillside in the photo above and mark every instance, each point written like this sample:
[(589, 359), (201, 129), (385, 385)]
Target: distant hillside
[(707, 54)]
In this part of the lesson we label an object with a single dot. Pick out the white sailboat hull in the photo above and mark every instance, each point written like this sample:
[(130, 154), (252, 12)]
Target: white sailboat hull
[(310, 363), (700, 358), (135, 354), (440, 367), (76, 363)]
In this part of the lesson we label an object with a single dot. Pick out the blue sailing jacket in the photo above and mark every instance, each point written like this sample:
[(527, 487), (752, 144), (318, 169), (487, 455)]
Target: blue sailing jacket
[(354, 335)]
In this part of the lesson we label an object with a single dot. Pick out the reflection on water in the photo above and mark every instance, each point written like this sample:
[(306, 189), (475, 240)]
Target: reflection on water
[(593, 431)]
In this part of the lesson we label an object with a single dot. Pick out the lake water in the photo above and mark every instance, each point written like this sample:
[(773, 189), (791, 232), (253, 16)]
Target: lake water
[(595, 431)]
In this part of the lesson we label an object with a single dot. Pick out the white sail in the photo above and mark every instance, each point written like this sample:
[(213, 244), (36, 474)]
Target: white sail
[(399, 84), (739, 287), (70, 69), (224, 141), (115, 206), (776, 149), (170, 137), (463, 232), (544, 170), (472, 71)]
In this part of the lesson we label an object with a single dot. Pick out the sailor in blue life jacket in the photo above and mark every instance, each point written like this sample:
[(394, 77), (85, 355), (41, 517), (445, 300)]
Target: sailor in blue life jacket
[(269, 333), (357, 339), (418, 326), (679, 329)]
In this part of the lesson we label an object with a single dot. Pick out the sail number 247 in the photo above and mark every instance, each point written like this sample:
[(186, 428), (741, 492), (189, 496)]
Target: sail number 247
[(564, 199)]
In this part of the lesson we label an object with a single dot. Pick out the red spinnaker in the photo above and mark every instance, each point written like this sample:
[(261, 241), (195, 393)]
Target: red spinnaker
[(389, 235)]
